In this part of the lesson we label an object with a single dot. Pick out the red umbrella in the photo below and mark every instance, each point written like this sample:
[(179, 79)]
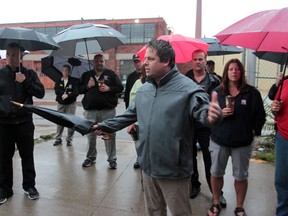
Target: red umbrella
[(262, 31), (182, 45)]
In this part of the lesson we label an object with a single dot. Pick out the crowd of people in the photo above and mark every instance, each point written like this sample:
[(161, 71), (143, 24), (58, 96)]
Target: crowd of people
[(222, 114)]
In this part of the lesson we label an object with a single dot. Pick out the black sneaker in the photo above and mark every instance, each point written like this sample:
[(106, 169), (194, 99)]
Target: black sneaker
[(57, 142), (69, 143), (113, 165), (88, 163), (32, 193), (3, 200), (136, 165)]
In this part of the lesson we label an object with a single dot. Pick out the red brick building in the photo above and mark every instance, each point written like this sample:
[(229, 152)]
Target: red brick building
[(138, 32)]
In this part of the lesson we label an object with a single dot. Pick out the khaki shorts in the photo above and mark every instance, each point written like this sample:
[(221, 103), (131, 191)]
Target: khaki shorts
[(240, 160)]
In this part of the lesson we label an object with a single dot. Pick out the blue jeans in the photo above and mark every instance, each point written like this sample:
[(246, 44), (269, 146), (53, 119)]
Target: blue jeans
[(281, 175)]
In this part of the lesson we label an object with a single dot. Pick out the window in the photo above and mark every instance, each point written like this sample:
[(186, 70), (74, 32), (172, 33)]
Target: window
[(126, 67), (52, 31), (138, 32)]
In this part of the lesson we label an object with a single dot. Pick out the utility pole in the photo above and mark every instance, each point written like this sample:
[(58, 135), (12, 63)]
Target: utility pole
[(198, 29)]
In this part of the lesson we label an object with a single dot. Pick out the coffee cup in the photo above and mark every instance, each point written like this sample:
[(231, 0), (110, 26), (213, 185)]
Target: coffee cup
[(230, 101), (100, 82)]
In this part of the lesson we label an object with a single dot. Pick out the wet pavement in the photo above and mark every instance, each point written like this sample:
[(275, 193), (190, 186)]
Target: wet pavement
[(66, 188)]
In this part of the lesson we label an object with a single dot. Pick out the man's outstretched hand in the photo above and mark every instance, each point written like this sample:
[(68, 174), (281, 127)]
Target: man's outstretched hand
[(98, 132), (214, 110), (96, 129)]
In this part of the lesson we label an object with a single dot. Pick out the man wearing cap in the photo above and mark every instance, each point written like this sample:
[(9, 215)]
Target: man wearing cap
[(132, 77)]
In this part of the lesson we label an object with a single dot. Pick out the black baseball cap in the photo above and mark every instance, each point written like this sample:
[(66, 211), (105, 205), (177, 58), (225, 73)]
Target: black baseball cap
[(135, 57)]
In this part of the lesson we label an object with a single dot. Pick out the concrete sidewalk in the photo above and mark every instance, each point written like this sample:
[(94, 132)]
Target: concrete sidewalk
[(68, 189)]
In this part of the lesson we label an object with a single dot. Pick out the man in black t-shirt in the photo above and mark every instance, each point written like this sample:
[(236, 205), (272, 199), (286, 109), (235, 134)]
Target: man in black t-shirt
[(132, 77), (208, 81)]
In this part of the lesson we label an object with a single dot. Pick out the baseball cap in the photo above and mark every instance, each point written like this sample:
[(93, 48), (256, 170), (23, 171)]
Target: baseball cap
[(135, 57)]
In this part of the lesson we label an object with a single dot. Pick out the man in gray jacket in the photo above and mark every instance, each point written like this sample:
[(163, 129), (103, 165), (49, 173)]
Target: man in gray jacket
[(165, 107)]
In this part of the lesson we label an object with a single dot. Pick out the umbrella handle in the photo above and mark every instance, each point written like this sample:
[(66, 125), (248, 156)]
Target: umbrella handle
[(105, 136), (17, 103)]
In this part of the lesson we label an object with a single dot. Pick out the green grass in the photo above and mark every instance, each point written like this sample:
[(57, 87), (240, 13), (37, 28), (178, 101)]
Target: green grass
[(264, 145), (44, 138), (266, 156)]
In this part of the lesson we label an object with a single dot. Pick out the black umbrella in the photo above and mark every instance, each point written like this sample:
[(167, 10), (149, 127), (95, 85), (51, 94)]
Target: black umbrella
[(27, 38), (83, 126), (216, 49), (52, 66), (276, 57)]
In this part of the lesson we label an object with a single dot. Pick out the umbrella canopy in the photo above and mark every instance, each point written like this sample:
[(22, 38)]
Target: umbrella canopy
[(275, 57), (216, 49), (262, 31), (83, 126), (87, 38), (52, 66), (182, 45), (27, 38)]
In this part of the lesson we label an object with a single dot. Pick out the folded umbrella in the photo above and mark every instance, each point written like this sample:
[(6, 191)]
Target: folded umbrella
[(83, 126)]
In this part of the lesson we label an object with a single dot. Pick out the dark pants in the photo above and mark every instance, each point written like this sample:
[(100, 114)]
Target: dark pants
[(202, 136), (23, 136)]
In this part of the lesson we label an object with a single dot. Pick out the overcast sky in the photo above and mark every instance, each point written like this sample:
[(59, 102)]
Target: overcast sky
[(180, 15)]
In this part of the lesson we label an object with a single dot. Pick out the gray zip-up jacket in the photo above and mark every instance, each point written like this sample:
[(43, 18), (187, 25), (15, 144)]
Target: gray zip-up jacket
[(165, 114)]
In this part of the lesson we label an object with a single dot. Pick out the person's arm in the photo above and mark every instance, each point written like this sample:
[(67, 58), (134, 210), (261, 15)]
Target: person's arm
[(74, 92), (274, 88), (117, 123), (259, 114), (33, 85), (134, 90), (83, 83), (275, 107), (206, 112), (272, 92), (116, 86), (127, 90), (58, 90), (214, 115)]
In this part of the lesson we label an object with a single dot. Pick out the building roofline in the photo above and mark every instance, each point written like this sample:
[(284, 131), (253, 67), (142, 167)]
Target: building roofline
[(80, 20)]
